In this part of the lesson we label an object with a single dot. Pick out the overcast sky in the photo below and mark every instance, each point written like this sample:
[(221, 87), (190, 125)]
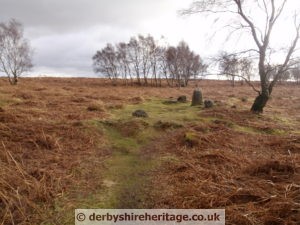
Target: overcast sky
[(65, 34)]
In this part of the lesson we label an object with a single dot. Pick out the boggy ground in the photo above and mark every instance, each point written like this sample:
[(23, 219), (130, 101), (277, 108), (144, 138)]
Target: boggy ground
[(72, 143)]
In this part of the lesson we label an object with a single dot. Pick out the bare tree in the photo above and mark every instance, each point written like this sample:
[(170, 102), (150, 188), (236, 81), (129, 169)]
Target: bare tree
[(106, 63), (15, 51), (157, 62), (183, 64), (199, 69), (147, 47), (163, 64), (143, 58), (246, 68), (234, 67), (272, 71), (243, 17), (285, 76), (229, 65), (171, 59), (122, 55), (295, 72), (134, 55)]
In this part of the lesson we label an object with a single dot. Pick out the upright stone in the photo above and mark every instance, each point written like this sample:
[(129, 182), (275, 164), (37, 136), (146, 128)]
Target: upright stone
[(197, 97)]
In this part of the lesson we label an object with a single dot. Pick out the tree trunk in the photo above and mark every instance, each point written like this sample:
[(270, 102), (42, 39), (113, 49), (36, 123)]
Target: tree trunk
[(13, 80), (259, 103), (233, 81), (263, 97)]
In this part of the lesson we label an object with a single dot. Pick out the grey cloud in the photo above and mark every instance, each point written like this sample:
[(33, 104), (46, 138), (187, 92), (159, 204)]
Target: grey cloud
[(75, 49), (66, 33), (68, 15)]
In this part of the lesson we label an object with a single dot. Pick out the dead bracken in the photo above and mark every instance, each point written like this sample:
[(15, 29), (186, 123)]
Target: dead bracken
[(217, 158)]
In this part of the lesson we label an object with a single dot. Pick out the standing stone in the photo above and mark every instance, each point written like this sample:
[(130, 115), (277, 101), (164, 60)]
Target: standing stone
[(197, 97)]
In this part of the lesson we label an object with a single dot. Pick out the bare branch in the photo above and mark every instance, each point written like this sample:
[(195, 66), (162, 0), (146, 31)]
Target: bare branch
[(247, 81), (248, 21), (236, 75), (288, 56), (280, 10), (208, 6)]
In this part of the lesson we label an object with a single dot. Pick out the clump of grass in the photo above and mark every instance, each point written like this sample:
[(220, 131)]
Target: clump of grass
[(245, 129), (36, 166), (115, 106), (223, 122), (22, 95), (273, 131), (191, 139), (130, 128), (244, 99), (163, 125), (176, 113), (136, 100), (6, 100), (96, 106), (21, 191), (44, 141), (273, 168)]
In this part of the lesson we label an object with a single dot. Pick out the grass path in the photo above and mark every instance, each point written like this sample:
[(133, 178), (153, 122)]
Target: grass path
[(127, 179), (126, 174)]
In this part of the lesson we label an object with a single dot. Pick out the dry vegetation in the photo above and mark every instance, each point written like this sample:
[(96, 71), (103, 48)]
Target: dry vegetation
[(52, 150)]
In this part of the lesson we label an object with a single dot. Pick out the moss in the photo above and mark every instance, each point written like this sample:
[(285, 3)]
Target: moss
[(252, 130), (274, 131), (190, 135), (163, 125), (244, 129), (297, 132), (119, 142), (129, 174), (126, 175), (126, 168), (191, 138), (6, 100), (158, 111), (169, 158), (283, 120)]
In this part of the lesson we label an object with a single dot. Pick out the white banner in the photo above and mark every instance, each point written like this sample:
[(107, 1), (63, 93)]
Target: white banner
[(149, 216)]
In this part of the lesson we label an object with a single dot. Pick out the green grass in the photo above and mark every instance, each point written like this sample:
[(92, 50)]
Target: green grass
[(125, 180), (126, 176), (6, 100), (251, 130), (179, 112), (126, 172), (118, 142), (283, 120)]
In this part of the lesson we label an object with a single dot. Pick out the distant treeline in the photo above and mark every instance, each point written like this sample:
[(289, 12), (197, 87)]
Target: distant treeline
[(143, 61)]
